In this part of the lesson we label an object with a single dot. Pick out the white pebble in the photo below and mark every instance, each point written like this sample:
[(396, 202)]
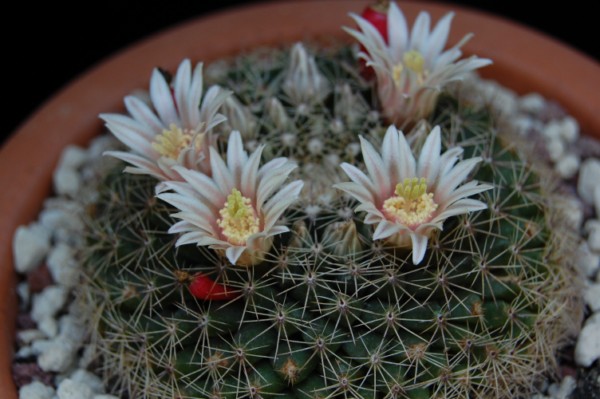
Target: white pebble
[(522, 124), (23, 292), (89, 379), (556, 149), (587, 349), (30, 246), (587, 262), (532, 102), (58, 356), (589, 176), (70, 389), (66, 181), (62, 213), (100, 144), (72, 157), (36, 390), (591, 296), (564, 390), (570, 129), (592, 228), (25, 352), (62, 265), (28, 336), (552, 130), (568, 166), (48, 326), (48, 302), (72, 329)]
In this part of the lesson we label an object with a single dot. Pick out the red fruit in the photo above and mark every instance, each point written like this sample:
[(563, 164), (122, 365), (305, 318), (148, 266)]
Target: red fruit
[(203, 287), (376, 14)]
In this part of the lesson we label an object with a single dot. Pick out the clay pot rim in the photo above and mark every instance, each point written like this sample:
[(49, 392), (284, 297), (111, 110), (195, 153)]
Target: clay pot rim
[(70, 117)]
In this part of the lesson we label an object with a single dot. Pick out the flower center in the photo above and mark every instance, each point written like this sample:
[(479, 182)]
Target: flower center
[(171, 142), (412, 204), (413, 61), (238, 219)]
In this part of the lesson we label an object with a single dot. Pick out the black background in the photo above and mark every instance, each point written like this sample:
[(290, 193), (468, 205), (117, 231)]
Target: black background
[(48, 45)]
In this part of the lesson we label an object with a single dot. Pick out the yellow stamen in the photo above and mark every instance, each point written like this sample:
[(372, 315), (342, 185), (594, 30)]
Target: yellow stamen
[(397, 72), (171, 142), (238, 218), (412, 204), (414, 61)]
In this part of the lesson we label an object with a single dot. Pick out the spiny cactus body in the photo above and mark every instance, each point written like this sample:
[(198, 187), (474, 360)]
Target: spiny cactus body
[(330, 312)]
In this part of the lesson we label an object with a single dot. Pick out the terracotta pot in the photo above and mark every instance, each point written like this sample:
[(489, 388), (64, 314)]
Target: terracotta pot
[(523, 60)]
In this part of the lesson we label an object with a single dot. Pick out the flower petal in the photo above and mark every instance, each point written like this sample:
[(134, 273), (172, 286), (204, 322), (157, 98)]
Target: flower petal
[(419, 247)]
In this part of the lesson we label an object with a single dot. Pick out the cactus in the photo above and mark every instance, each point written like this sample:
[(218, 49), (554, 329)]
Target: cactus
[(329, 312)]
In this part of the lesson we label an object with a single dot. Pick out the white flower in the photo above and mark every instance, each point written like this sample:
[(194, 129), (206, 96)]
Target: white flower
[(236, 210), (409, 199), (173, 129), (412, 69)]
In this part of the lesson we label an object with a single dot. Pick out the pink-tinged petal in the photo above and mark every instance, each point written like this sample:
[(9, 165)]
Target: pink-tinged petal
[(448, 159), (428, 165), (234, 253), (438, 38), (220, 172), (375, 168), (276, 230), (466, 190), (190, 237), (355, 190), (419, 247), (181, 86), (408, 165), (204, 186), (181, 227), (386, 229), (273, 164), (195, 97), (372, 218), (250, 173), (460, 207), (370, 208), (162, 99), (213, 100), (269, 184), (391, 155), (140, 111), (275, 207), (142, 165), (397, 31), (236, 157), (420, 32), (456, 176), (131, 133), (370, 36), (446, 58), (358, 177), (197, 222), (192, 210)]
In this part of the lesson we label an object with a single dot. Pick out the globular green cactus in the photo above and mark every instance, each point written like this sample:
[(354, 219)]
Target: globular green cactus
[(330, 312)]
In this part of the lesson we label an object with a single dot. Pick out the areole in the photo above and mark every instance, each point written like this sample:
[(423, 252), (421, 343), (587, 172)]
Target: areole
[(71, 116)]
